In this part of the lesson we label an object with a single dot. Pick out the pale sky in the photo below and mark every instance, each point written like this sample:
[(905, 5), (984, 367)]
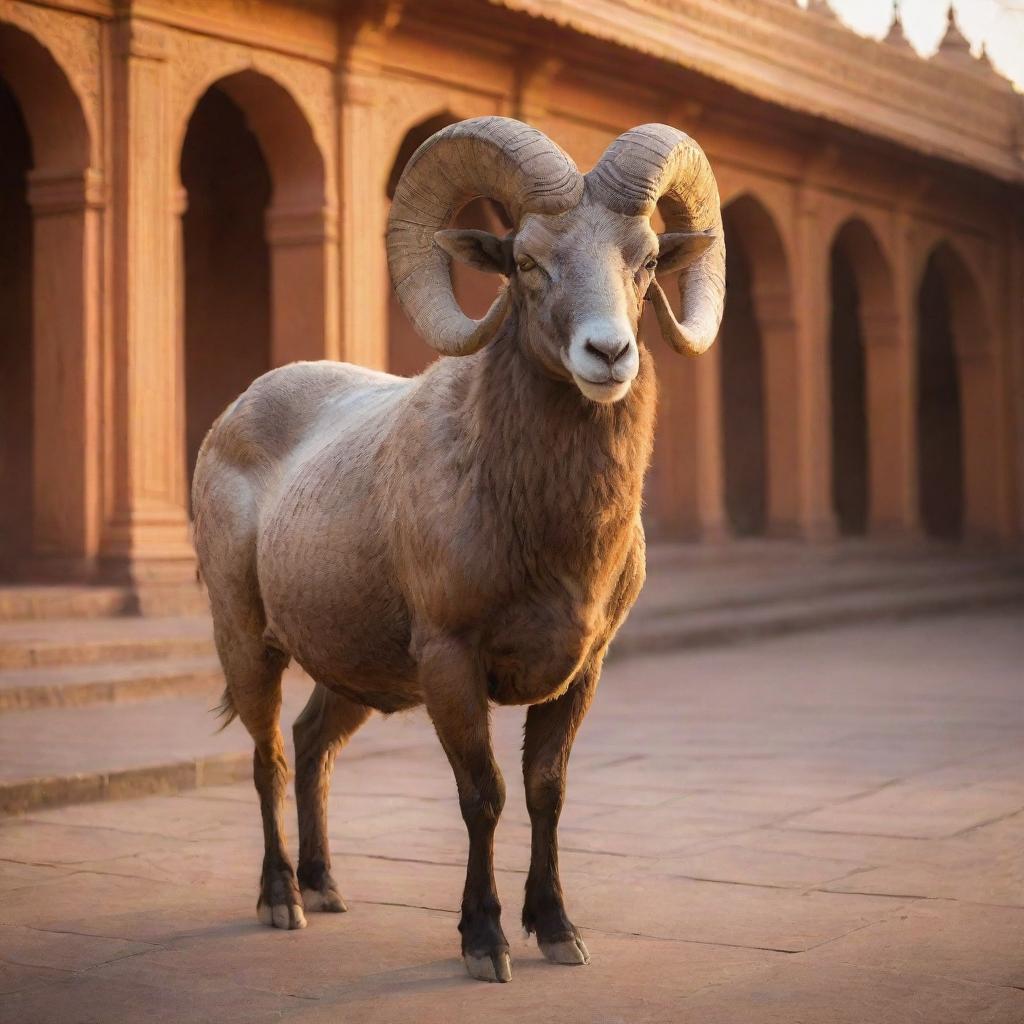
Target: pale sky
[(999, 24)]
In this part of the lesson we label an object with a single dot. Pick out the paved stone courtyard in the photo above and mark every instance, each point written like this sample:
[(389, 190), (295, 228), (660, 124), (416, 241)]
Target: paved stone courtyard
[(804, 830)]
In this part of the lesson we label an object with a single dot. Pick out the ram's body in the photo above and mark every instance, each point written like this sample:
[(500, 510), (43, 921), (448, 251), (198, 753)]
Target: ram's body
[(352, 515)]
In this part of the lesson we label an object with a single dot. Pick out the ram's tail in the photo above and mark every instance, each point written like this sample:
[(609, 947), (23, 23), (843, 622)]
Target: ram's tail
[(226, 709)]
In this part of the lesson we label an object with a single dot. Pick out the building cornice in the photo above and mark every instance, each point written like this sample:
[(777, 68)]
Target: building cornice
[(776, 51)]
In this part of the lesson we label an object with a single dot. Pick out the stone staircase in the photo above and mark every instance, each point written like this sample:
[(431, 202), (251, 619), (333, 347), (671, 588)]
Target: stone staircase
[(105, 692), (96, 687), (65, 646), (697, 596)]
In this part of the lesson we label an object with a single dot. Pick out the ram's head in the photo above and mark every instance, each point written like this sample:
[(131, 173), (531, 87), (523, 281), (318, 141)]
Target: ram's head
[(582, 256)]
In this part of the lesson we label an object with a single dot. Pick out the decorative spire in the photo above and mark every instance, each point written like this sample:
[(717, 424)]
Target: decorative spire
[(897, 37), (955, 49), (986, 67)]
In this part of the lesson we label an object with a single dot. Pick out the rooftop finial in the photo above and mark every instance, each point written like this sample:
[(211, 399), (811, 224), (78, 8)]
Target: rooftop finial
[(955, 47), (897, 37)]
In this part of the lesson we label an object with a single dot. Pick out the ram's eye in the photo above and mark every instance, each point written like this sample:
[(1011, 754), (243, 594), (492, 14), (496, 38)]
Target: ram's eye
[(651, 263), (525, 263)]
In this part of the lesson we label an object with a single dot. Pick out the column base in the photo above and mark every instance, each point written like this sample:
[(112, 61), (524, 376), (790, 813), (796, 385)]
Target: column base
[(819, 532), (894, 531), (149, 569), (783, 529), (154, 548), (714, 534)]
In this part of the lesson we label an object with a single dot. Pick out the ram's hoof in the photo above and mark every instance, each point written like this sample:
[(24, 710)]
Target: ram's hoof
[(327, 900), (566, 951), (281, 915), (489, 968)]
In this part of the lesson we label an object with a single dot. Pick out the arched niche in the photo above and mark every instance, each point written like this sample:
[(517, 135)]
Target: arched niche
[(474, 290), (258, 243), (49, 384), (866, 383), (757, 360), (958, 454)]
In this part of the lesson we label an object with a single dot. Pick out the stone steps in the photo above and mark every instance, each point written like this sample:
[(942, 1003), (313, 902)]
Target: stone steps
[(65, 642), (22, 689), (695, 628), (680, 583), (84, 601)]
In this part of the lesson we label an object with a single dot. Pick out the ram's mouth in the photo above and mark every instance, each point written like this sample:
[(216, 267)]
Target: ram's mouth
[(605, 391)]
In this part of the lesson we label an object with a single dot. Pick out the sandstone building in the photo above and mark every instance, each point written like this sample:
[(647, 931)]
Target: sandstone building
[(194, 191)]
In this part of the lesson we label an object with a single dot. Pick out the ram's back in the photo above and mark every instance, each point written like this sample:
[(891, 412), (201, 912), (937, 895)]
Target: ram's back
[(257, 448), (282, 410)]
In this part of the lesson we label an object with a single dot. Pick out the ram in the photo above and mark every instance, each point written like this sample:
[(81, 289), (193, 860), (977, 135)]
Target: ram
[(471, 535)]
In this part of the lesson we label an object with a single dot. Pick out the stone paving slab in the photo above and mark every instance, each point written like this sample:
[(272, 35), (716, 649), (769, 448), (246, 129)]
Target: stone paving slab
[(700, 853), (947, 938)]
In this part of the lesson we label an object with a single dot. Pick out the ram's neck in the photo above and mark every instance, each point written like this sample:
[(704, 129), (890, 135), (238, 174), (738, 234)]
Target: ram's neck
[(566, 474)]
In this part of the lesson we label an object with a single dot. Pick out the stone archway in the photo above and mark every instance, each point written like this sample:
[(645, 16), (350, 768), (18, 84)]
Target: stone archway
[(957, 400), (867, 470), (757, 369), (408, 354), (49, 336), (257, 244)]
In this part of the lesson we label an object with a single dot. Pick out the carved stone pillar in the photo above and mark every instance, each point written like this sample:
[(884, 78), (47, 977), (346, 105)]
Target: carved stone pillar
[(899, 361), (303, 277), (782, 399), (670, 490), (66, 369), (1015, 365), (982, 450), (362, 222), (888, 352), (147, 535), (710, 446), (814, 420)]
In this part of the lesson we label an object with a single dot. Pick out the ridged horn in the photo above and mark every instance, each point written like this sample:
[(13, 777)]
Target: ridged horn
[(494, 157), (658, 166)]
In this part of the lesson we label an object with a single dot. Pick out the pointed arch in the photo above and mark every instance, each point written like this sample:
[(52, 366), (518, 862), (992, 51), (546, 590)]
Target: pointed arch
[(867, 464), (959, 458)]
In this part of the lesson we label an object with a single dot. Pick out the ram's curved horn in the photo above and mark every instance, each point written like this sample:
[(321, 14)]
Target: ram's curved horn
[(658, 166), (495, 157)]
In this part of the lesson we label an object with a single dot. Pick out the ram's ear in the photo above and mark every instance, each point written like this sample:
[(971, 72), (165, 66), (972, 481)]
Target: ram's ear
[(678, 249), (478, 249)]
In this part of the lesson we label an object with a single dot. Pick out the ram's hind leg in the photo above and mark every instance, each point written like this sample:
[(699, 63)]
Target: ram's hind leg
[(253, 674), (323, 728)]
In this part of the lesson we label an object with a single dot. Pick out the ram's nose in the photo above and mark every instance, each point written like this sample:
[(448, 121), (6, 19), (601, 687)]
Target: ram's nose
[(608, 348)]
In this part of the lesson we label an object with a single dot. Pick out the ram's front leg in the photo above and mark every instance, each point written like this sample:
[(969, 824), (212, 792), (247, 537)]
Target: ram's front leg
[(455, 692), (550, 730)]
